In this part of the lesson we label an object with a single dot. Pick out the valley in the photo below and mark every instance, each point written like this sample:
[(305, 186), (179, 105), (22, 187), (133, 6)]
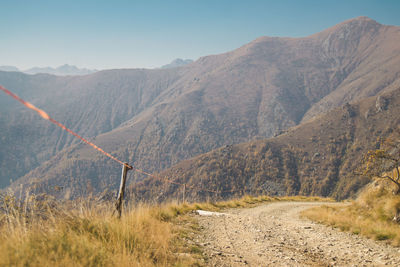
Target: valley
[(155, 119)]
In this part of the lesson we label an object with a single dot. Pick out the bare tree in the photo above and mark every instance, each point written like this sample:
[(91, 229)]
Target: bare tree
[(384, 162)]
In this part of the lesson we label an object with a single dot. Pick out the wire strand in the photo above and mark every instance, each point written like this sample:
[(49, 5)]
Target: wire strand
[(45, 116)]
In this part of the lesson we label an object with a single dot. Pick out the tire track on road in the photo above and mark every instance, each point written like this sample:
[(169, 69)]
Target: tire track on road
[(274, 235)]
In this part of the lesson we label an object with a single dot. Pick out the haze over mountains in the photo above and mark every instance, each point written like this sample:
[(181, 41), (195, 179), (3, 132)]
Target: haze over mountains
[(154, 119), (67, 70), (63, 70)]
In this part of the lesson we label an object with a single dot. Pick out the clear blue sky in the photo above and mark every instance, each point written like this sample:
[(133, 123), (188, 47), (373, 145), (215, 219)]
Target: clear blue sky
[(131, 34)]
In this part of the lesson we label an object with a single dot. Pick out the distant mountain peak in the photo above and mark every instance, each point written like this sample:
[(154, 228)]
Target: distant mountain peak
[(179, 62), (357, 25), (9, 68), (361, 18), (62, 70), (359, 21)]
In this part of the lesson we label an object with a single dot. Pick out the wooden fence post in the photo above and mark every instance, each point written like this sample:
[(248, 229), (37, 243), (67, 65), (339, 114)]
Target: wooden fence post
[(184, 192), (121, 192)]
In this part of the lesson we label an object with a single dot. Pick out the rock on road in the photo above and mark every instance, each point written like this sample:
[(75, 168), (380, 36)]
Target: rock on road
[(274, 235)]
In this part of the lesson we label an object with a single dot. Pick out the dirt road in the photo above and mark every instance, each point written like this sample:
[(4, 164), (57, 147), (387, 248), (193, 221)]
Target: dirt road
[(275, 235)]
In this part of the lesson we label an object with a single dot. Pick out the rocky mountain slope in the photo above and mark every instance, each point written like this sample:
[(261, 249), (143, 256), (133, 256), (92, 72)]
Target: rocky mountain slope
[(250, 93), (90, 105), (318, 157)]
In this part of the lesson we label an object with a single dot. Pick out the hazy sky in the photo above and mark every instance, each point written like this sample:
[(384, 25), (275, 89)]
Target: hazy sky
[(131, 34)]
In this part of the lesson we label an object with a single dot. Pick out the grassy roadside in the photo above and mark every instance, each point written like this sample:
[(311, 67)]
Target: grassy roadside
[(370, 214), (46, 233), (43, 232)]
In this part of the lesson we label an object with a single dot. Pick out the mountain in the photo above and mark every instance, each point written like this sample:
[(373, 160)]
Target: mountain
[(177, 63), (253, 92), (63, 70), (91, 105), (319, 157), (8, 68)]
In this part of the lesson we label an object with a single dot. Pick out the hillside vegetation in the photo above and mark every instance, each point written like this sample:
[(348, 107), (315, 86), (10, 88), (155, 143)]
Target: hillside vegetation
[(319, 157)]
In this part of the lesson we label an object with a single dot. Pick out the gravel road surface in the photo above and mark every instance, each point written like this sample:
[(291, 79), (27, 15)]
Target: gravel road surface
[(275, 235)]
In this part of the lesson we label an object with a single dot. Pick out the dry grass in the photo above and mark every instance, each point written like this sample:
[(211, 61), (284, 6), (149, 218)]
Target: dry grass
[(370, 214), (44, 232)]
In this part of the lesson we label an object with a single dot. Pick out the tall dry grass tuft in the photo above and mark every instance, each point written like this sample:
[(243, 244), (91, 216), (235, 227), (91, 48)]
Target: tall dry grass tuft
[(42, 232), (371, 214)]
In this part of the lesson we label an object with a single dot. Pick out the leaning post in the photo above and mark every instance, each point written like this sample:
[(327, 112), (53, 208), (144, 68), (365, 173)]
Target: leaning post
[(184, 193), (118, 205)]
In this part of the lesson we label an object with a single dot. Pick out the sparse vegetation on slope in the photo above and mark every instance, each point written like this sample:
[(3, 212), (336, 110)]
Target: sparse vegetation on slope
[(371, 214), (316, 158), (384, 162)]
